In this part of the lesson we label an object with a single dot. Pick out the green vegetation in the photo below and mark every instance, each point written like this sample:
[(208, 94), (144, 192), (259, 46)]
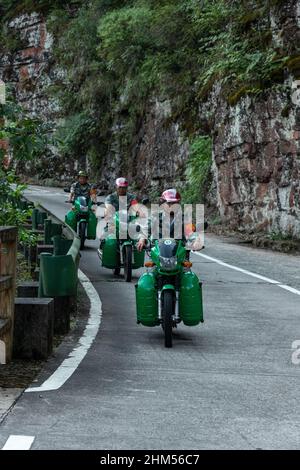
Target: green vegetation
[(118, 54), (26, 138), (198, 170), (9, 9), (25, 134), (293, 65), (11, 214), (23, 271), (279, 236)]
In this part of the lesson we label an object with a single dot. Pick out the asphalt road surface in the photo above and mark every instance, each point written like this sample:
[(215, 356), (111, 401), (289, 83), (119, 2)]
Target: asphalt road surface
[(230, 383)]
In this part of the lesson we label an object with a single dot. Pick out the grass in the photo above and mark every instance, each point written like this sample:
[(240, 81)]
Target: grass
[(23, 271)]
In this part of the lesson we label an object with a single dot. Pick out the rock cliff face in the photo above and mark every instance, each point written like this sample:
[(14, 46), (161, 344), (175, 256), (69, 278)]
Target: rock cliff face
[(257, 165), (256, 141), (256, 148), (30, 71), (159, 152)]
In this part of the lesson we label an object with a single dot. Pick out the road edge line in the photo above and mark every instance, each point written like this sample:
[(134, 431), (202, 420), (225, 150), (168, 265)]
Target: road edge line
[(75, 357)]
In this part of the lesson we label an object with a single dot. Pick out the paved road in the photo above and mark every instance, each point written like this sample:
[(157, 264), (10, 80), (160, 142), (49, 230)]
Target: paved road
[(227, 384)]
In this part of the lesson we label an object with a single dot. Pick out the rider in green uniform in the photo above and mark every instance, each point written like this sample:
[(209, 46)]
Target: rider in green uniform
[(168, 198), (82, 188), (170, 223), (121, 191), (112, 204)]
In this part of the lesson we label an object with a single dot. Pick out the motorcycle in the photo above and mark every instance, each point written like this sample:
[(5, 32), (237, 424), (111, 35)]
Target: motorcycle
[(116, 253), (82, 219), (169, 292)]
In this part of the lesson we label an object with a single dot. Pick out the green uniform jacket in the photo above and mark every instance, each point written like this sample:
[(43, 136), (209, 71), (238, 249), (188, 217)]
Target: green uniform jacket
[(113, 199)]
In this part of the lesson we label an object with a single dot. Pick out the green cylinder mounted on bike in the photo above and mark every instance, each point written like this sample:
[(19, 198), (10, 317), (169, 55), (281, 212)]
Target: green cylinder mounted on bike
[(115, 252)]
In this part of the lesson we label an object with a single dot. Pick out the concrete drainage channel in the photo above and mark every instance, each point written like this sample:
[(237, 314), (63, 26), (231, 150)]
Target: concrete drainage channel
[(43, 307)]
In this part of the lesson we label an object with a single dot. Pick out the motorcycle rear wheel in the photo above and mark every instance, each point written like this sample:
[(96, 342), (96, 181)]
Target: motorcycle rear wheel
[(167, 313), (128, 263)]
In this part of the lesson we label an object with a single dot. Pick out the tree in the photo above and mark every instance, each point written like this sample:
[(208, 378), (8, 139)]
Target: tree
[(24, 138)]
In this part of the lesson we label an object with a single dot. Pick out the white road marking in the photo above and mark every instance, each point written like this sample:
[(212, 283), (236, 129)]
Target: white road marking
[(290, 289), (18, 443), (56, 194), (44, 192), (69, 365), (249, 273)]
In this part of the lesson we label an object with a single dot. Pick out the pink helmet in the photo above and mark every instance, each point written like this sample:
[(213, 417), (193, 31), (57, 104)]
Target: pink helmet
[(171, 195), (121, 182)]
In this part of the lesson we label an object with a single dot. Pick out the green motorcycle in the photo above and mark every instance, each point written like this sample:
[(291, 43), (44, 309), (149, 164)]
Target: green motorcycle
[(82, 219), (116, 253), (170, 292)]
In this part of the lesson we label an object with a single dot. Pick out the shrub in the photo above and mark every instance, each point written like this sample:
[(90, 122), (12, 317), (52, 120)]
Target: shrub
[(26, 141), (198, 171)]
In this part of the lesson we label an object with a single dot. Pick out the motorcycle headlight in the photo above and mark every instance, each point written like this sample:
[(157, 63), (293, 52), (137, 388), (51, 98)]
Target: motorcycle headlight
[(168, 264), (84, 208)]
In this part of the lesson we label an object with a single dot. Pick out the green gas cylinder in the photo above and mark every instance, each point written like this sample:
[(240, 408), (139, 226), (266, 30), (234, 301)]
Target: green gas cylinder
[(146, 300), (92, 226), (110, 256), (190, 299)]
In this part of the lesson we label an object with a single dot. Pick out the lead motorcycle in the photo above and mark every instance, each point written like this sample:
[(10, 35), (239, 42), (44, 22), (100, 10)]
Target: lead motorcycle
[(169, 292)]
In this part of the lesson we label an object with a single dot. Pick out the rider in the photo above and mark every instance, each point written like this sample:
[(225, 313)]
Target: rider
[(112, 205), (121, 190), (83, 188), (170, 198)]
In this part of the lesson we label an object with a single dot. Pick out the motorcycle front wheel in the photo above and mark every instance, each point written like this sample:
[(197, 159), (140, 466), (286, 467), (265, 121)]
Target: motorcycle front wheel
[(128, 263), (167, 313), (82, 231)]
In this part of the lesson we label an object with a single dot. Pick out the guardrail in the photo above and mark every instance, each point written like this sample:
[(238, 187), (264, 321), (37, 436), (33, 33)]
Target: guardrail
[(54, 293), (42, 308), (58, 272)]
